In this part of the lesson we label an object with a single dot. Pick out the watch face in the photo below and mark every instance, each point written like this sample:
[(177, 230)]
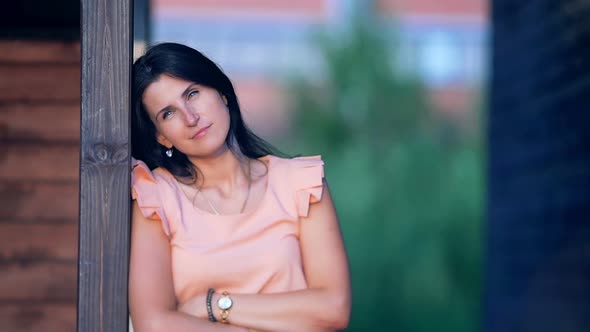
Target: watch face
[(224, 303)]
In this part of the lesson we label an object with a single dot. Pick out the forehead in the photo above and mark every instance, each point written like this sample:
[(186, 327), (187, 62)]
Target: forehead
[(163, 91)]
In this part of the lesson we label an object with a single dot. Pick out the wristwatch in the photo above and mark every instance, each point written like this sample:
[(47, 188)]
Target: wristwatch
[(224, 303)]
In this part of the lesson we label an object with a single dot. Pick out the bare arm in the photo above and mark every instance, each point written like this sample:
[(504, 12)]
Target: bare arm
[(152, 302), (324, 306)]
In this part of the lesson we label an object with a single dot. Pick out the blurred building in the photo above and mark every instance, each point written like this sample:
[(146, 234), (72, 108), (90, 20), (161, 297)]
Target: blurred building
[(260, 43), (39, 173)]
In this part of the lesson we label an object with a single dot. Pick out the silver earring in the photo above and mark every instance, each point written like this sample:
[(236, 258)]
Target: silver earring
[(169, 153)]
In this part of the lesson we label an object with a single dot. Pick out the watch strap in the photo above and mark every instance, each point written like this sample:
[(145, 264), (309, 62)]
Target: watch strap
[(224, 315)]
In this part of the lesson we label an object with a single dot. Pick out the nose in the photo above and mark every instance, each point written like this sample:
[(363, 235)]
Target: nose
[(190, 116)]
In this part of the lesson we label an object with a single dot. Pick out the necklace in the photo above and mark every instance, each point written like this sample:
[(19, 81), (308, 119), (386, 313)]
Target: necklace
[(245, 200)]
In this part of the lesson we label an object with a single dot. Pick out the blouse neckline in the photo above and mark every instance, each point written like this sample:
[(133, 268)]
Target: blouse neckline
[(253, 211)]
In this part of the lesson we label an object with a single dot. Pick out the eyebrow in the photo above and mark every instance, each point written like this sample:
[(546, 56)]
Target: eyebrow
[(183, 95)]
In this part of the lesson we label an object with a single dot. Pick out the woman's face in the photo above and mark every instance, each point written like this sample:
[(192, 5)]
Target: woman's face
[(190, 117)]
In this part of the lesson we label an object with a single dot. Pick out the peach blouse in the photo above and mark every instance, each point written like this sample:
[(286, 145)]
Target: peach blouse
[(253, 252)]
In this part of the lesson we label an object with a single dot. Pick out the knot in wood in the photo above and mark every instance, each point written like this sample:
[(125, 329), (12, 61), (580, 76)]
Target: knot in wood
[(101, 153), (107, 154)]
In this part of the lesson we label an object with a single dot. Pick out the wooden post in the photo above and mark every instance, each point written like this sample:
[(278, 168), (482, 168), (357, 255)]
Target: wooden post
[(104, 165)]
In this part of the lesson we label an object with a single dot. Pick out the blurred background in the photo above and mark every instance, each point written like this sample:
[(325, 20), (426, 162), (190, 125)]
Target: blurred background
[(455, 134), (390, 92)]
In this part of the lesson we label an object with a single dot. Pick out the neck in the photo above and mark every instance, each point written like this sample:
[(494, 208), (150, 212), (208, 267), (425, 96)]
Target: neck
[(224, 171)]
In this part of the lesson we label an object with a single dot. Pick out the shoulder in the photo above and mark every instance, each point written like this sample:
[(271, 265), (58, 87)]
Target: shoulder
[(156, 193), (151, 187), (302, 177), (296, 165), (141, 173)]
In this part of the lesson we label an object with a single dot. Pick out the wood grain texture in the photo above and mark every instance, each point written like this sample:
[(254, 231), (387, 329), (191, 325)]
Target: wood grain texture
[(35, 201), (105, 165), (30, 162), (39, 281), (38, 317), (34, 52), (43, 82), (40, 122)]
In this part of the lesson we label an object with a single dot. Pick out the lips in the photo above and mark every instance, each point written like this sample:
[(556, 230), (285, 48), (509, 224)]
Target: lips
[(202, 132)]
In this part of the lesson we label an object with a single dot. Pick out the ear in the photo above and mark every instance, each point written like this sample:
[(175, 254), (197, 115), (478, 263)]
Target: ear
[(164, 141), (224, 99)]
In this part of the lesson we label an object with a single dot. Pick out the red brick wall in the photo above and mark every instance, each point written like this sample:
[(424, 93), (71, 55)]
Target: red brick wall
[(477, 8), (312, 6), (39, 139)]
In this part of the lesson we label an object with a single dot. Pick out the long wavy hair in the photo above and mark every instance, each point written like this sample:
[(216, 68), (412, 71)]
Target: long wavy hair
[(185, 63)]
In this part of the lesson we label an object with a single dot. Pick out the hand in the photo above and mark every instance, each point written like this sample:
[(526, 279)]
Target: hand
[(196, 306)]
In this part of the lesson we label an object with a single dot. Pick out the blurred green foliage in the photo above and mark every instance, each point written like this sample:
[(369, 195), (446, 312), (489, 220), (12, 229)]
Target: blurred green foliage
[(407, 185)]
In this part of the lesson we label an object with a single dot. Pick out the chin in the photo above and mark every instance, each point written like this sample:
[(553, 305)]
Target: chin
[(211, 150)]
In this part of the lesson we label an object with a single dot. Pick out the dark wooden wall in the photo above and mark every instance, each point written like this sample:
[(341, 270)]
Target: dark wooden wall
[(39, 158), (538, 259)]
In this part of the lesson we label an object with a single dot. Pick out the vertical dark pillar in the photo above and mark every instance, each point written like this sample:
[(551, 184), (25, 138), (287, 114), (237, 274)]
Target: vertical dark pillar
[(538, 258), (104, 165)]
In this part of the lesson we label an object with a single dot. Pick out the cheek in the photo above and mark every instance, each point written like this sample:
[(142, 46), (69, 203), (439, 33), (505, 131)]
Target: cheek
[(226, 116), (171, 130), (222, 117), (223, 125)]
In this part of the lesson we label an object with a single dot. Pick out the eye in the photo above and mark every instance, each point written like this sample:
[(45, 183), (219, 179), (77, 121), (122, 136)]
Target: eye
[(167, 114), (192, 93)]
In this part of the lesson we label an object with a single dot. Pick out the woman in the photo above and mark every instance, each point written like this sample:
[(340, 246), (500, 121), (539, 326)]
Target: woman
[(224, 231)]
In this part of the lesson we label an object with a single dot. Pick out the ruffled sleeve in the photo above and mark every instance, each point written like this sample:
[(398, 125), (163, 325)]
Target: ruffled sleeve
[(307, 174), (144, 189)]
